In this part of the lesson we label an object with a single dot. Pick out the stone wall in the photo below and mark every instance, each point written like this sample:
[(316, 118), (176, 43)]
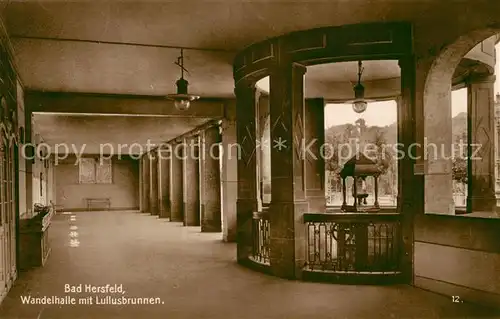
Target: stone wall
[(123, 192)]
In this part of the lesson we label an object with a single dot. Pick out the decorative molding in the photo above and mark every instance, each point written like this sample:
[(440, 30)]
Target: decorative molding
[(300, 44), (344, 43), (263, 52)]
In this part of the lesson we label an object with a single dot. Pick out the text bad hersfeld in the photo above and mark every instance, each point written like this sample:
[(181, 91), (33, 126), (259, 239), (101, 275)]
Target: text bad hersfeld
[(106, 289)]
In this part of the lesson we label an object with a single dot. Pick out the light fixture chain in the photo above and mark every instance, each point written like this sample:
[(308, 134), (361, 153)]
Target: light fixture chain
[(180, 63)]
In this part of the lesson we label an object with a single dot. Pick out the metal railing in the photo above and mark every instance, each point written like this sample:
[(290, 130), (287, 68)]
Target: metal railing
[(358, 243), (261, 237)]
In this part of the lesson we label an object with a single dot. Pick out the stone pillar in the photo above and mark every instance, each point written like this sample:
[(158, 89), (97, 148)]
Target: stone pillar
[(176, 184), (153, 180), (265, 150), (191, 198), (288, 202), (481, 147), (229, 172), (146, 183), (141, 182), (411, 190), (164, 156), (210, 181), (497, 149), (29, 165), (246, 204), (437, 153), (315, 163), (497, 140), (201, 176), (176, 181)]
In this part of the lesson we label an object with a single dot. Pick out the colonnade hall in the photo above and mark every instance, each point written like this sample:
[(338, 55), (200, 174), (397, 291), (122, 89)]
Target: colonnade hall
[(249, 159)]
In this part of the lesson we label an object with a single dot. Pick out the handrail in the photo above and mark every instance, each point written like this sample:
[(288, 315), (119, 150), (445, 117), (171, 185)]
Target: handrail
[(351, 217)]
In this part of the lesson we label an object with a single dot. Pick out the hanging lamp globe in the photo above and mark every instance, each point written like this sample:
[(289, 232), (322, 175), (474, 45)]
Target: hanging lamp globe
[(182, 99), (359, 104)]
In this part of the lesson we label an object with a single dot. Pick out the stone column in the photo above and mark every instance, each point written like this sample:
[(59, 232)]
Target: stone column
[(210, 180), (176, 187), (497, 147), (29, 165), (146, 183), (437, 153), (265, 150), (481, 147), (411, 190), (229, 172), (246, 204), (164, 182), (201, 176), (315, 163), (153, 180), (191, 182), (141, 182), (288, 202)]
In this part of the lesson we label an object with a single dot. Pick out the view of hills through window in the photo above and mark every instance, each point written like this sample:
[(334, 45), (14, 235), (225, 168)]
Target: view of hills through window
[(378, 126), (349, 133)]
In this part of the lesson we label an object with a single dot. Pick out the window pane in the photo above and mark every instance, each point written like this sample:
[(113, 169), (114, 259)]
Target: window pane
[(104, 173), (87, 170)]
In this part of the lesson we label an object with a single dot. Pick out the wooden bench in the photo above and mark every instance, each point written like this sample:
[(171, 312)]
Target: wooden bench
[(91, 201)]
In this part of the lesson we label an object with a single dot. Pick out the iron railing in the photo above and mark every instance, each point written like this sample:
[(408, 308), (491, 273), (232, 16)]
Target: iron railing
[(261, 237), (357, 243)]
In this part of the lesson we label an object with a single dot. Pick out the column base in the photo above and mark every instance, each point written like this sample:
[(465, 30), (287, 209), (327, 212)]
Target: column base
[(191, 214), (211, 227), (288, 238), (229, 237), (481, 204), (154, 211), (176, 212), (164, 214), (211, 218), (244, 216)]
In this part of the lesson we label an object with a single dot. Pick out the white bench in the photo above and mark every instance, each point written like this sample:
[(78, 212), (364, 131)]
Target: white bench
[(92, 201)]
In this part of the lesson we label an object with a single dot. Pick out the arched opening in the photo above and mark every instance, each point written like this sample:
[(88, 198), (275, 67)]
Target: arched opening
[(461, 77), (452, 251)]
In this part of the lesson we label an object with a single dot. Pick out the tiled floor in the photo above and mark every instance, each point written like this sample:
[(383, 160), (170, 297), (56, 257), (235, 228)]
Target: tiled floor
[(195, 276)]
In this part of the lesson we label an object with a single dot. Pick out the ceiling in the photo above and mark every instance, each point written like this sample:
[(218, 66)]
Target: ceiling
[(123, 47), (62, 46), (335, 81), (348, 71), (87, 133)]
